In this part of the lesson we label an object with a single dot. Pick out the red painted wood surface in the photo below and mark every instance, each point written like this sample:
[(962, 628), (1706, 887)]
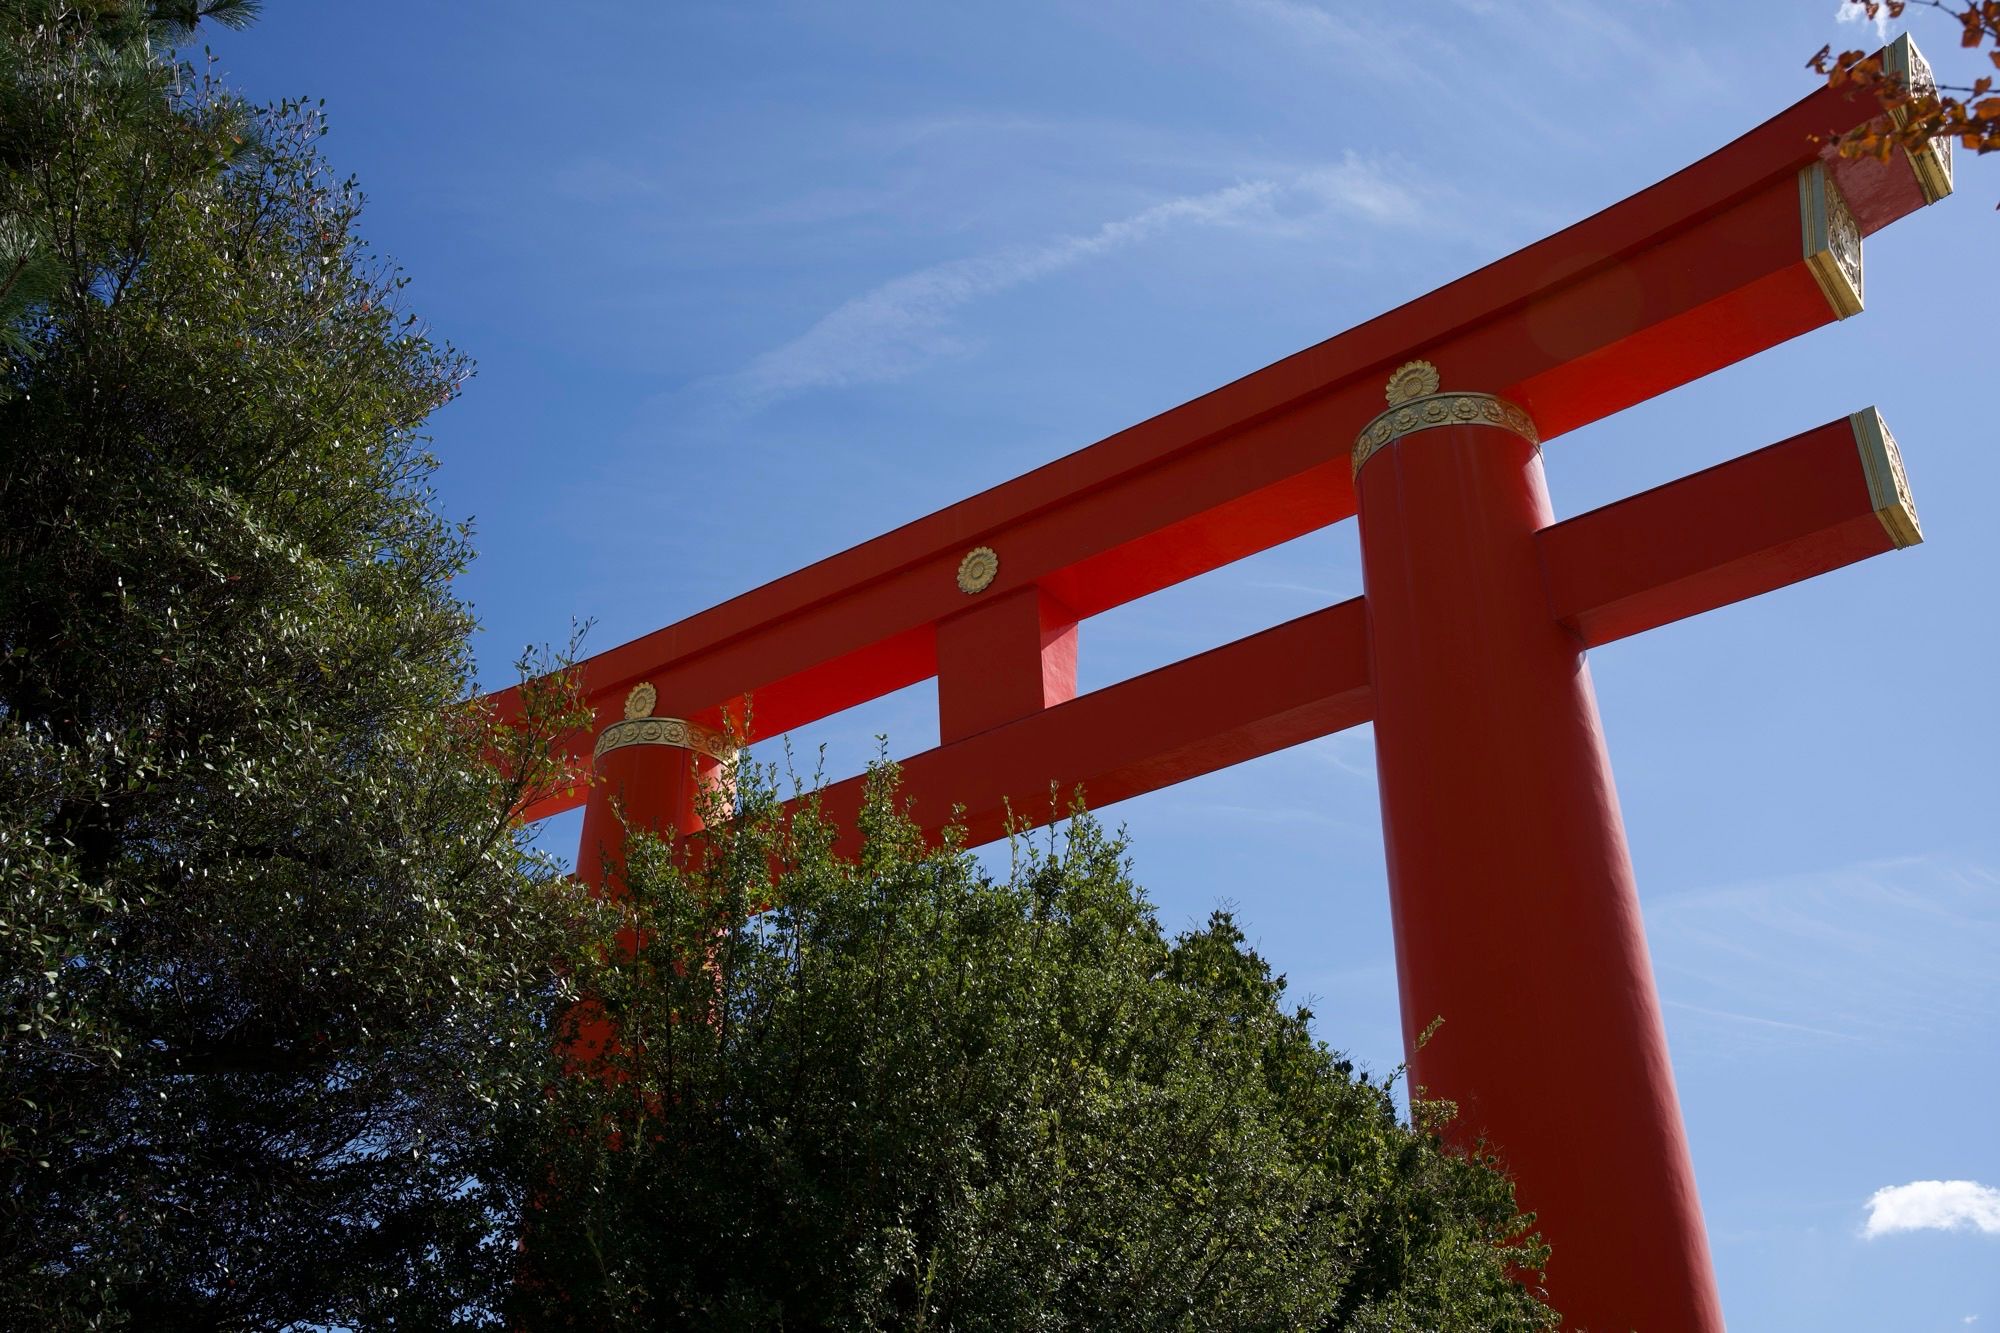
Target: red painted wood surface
[(1515, 910), (1698, 271), (1751, 525), (1305, 678), (653, 787), (1003, 658), (1785, 513), (657, 788)]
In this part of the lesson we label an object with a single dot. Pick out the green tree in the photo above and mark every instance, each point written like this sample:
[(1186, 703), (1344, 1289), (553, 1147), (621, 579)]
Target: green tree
[(896, 1092), (121, 36), (274, 957)]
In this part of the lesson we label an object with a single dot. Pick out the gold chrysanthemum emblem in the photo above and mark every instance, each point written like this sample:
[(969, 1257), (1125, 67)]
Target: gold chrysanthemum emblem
[(639, 703), (1413, 379), (977, 571)]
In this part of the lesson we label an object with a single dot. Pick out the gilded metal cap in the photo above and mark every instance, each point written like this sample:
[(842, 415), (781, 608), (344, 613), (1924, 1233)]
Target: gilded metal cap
[(1415, 404), (640, 727), (1888, 484), (1932, 161), (1832, 240)]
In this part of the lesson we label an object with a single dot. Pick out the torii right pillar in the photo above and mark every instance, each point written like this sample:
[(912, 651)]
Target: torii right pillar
[(1515, 910)]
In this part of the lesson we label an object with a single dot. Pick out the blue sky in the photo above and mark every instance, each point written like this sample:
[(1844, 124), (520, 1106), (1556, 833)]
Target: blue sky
[(749, 282)]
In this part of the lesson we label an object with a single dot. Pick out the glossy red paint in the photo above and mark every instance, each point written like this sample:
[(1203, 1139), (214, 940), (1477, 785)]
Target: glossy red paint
[(1785, 513), (1516, 915), (1003, 658), (1300, 680), (654, 787), (657, 788)]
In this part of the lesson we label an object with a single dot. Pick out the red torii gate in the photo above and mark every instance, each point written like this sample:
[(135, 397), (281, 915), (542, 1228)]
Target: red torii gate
[(1515, 913)]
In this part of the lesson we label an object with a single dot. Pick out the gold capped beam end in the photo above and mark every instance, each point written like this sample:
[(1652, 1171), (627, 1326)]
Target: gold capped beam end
[(1932, 160), (1888, 483), (1832, 240)]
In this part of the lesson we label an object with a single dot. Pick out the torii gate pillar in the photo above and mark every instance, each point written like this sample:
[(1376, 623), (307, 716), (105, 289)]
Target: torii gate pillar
[(1516, 914), (651, 773)]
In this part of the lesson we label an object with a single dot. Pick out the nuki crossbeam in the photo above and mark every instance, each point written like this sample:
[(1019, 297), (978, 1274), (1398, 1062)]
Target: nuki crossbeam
[(1516, 915)]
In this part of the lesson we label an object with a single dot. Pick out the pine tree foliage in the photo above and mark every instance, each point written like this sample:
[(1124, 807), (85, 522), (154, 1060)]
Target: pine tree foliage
[(906, 1094), (118, 73), (272, 949)]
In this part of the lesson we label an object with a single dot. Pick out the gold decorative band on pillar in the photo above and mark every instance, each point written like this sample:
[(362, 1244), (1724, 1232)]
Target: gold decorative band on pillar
[(639, 727), (1931, 160), (1832, 241), (1888, 484), (1416, 405)]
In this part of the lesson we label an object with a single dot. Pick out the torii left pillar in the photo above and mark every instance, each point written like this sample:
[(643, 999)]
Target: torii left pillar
[(653, 775)]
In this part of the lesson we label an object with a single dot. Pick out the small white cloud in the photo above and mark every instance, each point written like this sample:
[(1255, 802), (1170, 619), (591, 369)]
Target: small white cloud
[(1853, 11), (1934, 1205)]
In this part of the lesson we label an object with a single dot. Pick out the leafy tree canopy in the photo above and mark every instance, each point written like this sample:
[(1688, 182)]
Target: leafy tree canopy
[(906, 1094), (271, 949), (115, 41)]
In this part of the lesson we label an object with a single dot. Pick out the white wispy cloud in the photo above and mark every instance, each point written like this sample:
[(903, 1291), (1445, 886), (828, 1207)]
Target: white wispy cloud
[(1480, 62), (1303, 19), (1351, 752), (1755, 1020), (1934, 1205), (909, 322), (1893, 954), (600, 180), (1853, 11), (1272, 814)]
